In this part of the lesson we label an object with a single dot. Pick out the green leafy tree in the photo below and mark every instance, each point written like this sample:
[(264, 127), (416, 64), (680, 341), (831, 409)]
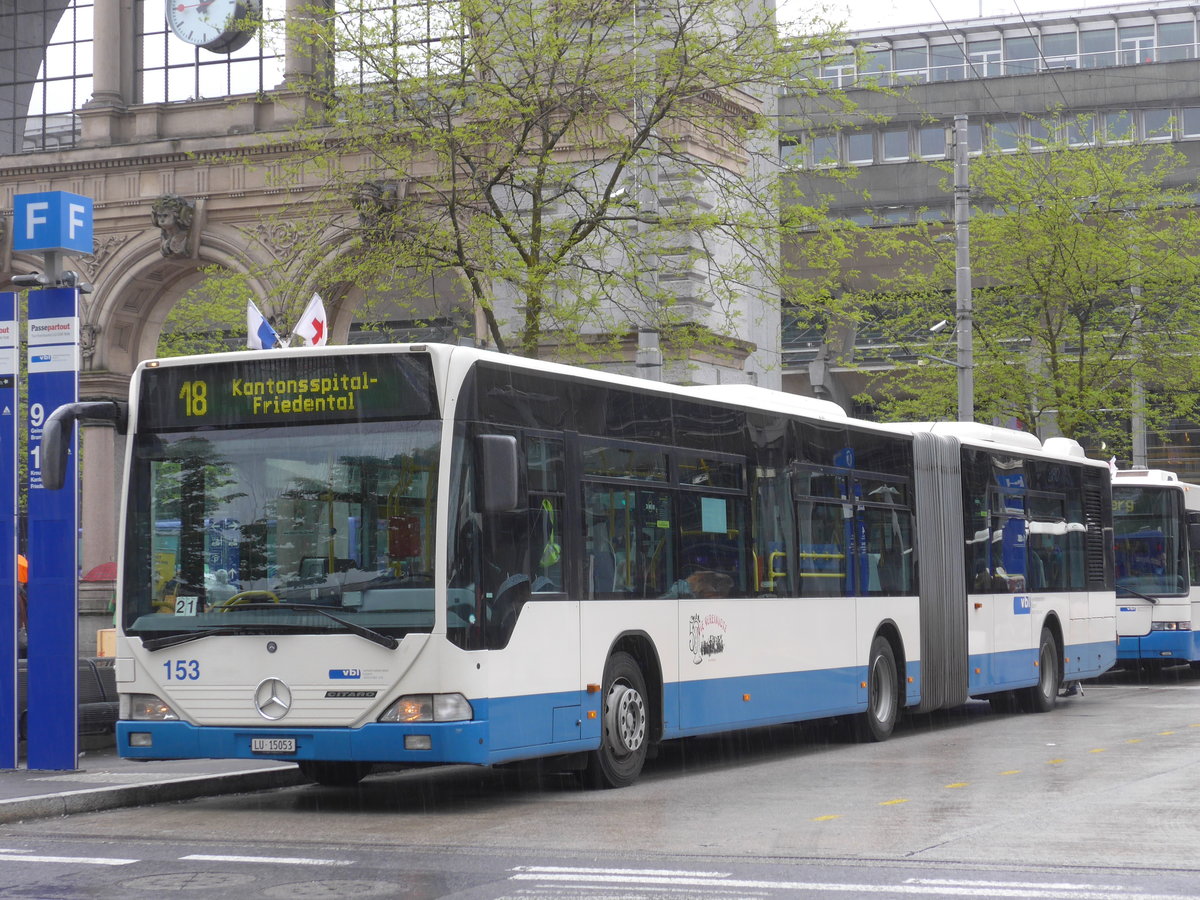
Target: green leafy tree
[(542, 170), (1086, 311)]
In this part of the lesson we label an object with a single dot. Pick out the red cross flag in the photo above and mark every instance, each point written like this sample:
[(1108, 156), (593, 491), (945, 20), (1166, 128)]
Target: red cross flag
[(313, 327)]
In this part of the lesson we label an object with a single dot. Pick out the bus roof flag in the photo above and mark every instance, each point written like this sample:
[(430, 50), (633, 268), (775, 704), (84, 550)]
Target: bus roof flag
[(259, 333), (313, 327)]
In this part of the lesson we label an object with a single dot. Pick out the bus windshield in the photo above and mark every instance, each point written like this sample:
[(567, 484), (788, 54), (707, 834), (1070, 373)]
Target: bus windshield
[(1148, 543), (247, 529)]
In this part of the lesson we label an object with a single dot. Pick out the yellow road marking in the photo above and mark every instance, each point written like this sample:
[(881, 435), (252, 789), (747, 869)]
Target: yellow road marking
[(1166, 732), (958, 784), (1054, 762), (1012, 772), (895, 802), (826, 818), (1096, 750)]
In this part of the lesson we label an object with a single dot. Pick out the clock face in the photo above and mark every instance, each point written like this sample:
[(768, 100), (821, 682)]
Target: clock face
[(216, 25)]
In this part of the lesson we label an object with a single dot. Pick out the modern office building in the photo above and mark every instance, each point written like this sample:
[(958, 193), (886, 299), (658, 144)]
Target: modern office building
[(1131, 70)]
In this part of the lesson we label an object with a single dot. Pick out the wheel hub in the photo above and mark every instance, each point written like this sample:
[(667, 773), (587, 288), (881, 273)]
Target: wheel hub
[(625, 719)]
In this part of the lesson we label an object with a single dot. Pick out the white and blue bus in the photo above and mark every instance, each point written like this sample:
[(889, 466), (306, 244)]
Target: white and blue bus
[(436, 554), (1156, 522)]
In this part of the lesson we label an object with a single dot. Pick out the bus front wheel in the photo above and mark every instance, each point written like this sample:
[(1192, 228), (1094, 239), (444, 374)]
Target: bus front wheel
[(625, 729), (1043, 695), (883, 693)]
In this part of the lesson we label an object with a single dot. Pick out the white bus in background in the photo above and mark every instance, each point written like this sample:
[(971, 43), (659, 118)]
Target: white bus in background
[(1156, 520), (431, 554)]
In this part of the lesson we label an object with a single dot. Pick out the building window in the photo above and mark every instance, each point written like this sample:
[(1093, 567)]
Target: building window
[(874, 64), (825, 150), (946, 62), (1081, 131), (172, 70), (1060, 51), (860, 148), (895, 146), (1040, 133), (1006, 136), (54, 77), (912, 65), (839, 75), (1156, 124), (1189, 120), (984, 57), (1137, 44), (931, 142), (1098, 48), (1020, 56), (1118, 127), (1176, 40)]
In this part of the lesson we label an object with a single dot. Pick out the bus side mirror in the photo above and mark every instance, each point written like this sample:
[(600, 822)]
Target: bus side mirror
[(496, 457), (60, 426)]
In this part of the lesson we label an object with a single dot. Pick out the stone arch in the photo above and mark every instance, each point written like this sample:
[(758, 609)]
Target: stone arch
[(140, 287)]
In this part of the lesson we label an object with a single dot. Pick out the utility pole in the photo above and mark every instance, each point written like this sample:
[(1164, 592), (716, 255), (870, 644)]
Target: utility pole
[(963, 310)]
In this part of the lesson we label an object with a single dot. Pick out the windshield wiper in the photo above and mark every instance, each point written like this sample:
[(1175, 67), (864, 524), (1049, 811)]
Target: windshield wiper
[(384, 640), (171, 640), (1129, 590)]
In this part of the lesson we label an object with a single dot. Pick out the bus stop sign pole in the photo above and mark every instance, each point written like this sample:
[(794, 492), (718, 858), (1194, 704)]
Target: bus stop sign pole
[(52, 741), (53, 223)]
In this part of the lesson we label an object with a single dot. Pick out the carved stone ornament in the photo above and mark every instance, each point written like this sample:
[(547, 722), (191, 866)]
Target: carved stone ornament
[(373, 200), (174, 216)]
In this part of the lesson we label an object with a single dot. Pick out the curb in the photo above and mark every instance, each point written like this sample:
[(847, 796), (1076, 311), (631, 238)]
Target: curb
[(43, 806)]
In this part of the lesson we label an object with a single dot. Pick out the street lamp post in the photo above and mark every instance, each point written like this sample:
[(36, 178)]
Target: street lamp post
[(963, 310)]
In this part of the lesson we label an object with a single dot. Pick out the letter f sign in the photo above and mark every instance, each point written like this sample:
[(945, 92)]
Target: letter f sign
[(33, 220)]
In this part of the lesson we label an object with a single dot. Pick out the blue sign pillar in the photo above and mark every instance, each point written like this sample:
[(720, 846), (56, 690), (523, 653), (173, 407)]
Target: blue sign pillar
[(8, 531), (52, 725)]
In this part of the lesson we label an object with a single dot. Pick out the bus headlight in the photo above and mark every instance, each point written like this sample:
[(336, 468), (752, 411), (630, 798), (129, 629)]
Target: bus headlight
[(148, 708), (1170, 626), (429, 708)]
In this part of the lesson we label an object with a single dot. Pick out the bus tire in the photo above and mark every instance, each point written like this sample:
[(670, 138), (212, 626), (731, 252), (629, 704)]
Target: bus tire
[(1042, 696), (334, 774), (625, 726), (883, 693)]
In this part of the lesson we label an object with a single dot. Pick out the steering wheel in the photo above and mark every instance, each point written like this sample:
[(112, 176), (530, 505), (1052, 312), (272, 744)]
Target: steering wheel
[(246, 597)]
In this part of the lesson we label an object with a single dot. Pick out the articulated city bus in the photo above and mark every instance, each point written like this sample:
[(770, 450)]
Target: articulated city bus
[(1156, 520), (432, 554)]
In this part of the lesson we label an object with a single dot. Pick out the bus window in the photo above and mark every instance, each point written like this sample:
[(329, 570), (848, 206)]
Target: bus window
[(822, 531), (713, 538)]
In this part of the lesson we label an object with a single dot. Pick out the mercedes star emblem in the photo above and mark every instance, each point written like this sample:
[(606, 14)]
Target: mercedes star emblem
[(273, 699)]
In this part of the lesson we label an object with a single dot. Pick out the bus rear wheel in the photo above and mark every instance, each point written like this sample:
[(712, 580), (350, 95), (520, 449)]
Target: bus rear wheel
[(883, 693), (625, 729), (335, 774), (1043, 695)]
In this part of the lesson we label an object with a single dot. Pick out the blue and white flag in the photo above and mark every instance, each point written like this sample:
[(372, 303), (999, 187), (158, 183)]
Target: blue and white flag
[(259, 333)]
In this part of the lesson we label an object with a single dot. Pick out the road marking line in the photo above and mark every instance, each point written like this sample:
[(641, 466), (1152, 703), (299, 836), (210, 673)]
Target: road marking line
[(912, 887), (1054, 762), (958, 784), (1096, 750), (1134, 741), (655, 872), (70, 860), (284, 860), (827, 818), (1012, 772), (1165, 733), (895, 802)]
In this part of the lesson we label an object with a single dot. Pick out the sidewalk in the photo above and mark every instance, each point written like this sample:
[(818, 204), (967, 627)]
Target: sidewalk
[(105, 781)]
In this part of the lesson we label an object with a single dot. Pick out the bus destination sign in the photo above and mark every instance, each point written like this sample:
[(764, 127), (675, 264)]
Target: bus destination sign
[(291, 389)]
